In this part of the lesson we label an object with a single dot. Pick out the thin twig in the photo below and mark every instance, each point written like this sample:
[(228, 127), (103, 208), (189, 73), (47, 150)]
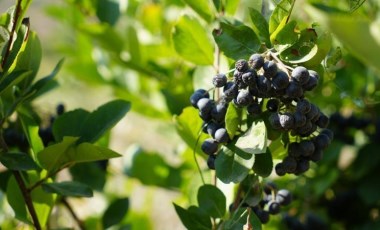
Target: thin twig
[(73, 214), (12, 33)]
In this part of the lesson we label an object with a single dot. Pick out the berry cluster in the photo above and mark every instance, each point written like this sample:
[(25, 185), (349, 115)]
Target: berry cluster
[(271, 202), (264, 82), (301, 153)]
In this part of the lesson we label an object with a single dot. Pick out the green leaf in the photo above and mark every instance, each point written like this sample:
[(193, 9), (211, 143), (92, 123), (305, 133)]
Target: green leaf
[(18, 161), (351, 31), (203, 8), (16, 201), (75, 118), (303, 50), (191, 41), (30, 127), (277, 149), (285, 34), (103, 119), (67, 152), (212, 201), (263, 164), (281, 11), (89, 173), (13, 78), (254, 221), (260, 26), (237, 221), (43, 202), (68, 188), (233, 166), (232, 119), (188, 126), (236, 41), (324, 43), (254, 140), (160, 173), (115, 212), (38, 86), (193, 218), (108, 11)]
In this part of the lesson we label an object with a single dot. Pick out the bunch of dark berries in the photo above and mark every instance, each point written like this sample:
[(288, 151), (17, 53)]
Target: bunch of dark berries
[(260, 85), (272, 202)]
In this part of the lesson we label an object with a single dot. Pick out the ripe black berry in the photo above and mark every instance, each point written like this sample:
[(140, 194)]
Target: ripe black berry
[(230, 91), (294, 90), (273, 207), (211, 161), (280, 169), (273, 104), (287, 121), (263, 216), (321, 141), (256, 61), (197, 95), (244, 98), (284, 197), (249, 78), (299, 119), (218, 112), (306, 147), (209, 146), (323, 121), (274, 121), (254, 109), (60, 109), (212, 127), (221, 135), (270, 69), (219, 80), (241, 65), (301, 74), (289, 164), (303, 106), (205, 105), (280, 80)]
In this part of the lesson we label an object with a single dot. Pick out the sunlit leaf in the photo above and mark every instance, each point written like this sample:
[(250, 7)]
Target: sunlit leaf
[(68, 188)]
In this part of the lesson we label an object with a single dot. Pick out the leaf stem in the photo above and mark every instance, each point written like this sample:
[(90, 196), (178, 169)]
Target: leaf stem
[(12, 33), (73, 214), (25, 192), (195, 156)]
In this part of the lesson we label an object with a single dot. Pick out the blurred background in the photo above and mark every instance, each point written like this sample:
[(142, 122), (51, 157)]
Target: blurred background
[(124, 49)]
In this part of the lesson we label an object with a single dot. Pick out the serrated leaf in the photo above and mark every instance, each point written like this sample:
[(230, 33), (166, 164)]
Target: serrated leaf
[(263, 164), (191, 41), (233, 166), (115, 212), (68, 188), (254, 140), (281, 11), (193, 218), (18, 161), (236, 41), (202, 7), (260, 26), (188, 126), (212, 201), (102, 119), (232, 119)]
